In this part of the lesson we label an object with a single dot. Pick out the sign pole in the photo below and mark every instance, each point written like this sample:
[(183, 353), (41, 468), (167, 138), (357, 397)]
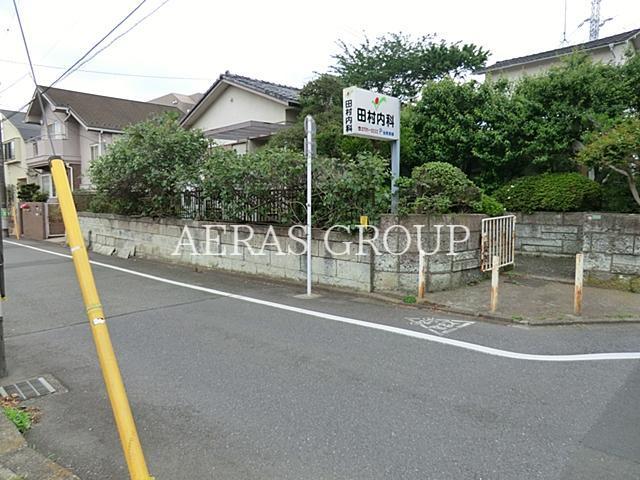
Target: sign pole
[(395, 174), (310, 150)]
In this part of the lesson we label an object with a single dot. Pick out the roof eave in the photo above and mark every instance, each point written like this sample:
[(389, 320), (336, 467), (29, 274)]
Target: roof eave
[(495, 67)]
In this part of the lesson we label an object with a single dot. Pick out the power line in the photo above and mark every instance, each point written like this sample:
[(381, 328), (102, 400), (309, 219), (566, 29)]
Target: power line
[(103, 72), (17, 81), (122, 34), (33, 76), (81, 58)]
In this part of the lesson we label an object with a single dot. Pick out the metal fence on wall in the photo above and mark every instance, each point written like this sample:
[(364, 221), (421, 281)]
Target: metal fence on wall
[(279, 206)]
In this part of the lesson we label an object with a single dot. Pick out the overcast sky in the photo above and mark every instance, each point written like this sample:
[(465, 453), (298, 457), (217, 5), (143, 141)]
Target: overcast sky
[(281, 41)]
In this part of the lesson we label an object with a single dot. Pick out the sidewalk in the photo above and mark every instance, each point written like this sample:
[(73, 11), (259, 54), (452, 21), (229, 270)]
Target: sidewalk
[(20, 462), (537, 301)]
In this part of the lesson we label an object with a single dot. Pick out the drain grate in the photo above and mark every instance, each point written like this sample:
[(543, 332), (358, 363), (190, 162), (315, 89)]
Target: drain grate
[(32, 388)]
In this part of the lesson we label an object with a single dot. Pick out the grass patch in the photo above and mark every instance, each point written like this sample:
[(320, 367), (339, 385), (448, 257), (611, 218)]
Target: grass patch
[(409, 299), (20, 418)]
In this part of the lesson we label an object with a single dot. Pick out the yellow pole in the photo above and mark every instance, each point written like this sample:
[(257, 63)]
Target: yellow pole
[(115, 387), (16, 227)]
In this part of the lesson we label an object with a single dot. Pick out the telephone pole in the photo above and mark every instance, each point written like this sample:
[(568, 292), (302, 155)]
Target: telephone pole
[(3, 209)]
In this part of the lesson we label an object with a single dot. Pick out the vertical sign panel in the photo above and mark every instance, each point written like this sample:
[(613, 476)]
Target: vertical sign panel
[(370, 115)]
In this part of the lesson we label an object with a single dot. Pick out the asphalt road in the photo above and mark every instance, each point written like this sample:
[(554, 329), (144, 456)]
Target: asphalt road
[(227, 388)]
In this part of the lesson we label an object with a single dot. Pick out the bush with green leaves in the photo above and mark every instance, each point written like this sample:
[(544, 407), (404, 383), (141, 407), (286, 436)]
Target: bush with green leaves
[(437, 187), (30, 192), (489, 206), (552, 192), (143, 172), (343, 188)]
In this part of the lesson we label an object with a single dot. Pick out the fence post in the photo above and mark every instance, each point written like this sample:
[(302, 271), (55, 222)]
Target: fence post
[(421, 275), (495, 275), (577, 293)]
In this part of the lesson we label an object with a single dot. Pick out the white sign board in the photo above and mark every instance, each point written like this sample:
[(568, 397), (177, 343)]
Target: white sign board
[(370, 115)]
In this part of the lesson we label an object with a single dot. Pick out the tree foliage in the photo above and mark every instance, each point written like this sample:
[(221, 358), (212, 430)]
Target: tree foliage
[(497, 131), (343, 188), (617, 149), (144, 170), (322, 98), (397, 64)]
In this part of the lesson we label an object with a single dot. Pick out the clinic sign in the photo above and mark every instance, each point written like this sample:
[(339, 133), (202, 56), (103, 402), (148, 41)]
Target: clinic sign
[(370, 115)]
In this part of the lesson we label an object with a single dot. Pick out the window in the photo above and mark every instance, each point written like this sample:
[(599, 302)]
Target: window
[(34, 144), (55, 130), (96, 151), (46, 184), (9, 150)]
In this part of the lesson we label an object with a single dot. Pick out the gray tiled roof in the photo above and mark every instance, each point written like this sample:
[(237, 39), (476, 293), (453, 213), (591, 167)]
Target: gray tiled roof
[(275, 90), (98, 111), (27, 130), (281, 93), (613, 39)]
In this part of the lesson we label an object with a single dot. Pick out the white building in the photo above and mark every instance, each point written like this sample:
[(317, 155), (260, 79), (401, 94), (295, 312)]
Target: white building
[(613, 49), (243, 112)]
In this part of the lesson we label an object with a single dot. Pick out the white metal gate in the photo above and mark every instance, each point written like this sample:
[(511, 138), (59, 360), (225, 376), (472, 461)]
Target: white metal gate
[(498, 239)]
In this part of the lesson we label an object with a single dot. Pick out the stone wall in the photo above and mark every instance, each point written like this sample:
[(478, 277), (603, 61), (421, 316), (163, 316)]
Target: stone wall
[(157, 239), (609, 241), (549, 233), (611, 244), (442, 271)]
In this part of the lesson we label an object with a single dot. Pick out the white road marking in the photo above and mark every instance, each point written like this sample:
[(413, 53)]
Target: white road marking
[(585, 357), (439, 326)]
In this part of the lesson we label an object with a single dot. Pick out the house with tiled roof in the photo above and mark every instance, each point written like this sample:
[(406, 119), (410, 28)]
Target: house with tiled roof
[(613, 49), (15, 135), (182, 102), (243, 113), (80, 126)]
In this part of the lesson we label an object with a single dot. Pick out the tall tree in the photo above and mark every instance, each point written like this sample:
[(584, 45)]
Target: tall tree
[(399, 65), (617, 149)]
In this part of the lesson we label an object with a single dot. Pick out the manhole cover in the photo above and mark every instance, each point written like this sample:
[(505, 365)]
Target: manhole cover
[(26, 389)]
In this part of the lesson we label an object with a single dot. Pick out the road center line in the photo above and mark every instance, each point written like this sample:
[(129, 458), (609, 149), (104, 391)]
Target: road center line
[(361, 323)]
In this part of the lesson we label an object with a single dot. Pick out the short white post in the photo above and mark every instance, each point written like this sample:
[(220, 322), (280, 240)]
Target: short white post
[(495, 274), (421, 275), (577, 293)]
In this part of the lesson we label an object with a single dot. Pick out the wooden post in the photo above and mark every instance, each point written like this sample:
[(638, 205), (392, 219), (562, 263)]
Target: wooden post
[(495, 274), (577, 294), (421, 275)]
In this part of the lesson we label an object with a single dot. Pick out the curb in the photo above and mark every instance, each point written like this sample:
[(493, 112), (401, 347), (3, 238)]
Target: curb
[(19, 461), (504, 319)]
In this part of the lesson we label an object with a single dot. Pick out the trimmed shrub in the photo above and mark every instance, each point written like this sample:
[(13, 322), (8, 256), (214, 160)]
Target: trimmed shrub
[(489, 206), (438, 187), (553, 192)]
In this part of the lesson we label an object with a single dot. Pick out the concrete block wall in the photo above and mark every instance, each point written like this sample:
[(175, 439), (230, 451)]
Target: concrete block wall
[(158, 238), (611, 244), (549, 233), (442, 271)]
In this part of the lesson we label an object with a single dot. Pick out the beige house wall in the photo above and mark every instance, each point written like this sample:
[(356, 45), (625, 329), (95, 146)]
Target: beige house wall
[(14, 169), (236, 105), (615, 55)]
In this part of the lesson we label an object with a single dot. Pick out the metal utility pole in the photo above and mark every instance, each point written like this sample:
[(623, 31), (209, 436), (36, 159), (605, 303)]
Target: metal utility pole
[(3, 209), (310, 152), (594, 20)]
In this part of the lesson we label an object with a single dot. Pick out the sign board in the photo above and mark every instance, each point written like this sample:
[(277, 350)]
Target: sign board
[(370, 115)]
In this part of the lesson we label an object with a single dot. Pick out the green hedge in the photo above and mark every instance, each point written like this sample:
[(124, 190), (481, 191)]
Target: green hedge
[(552, 192), (439, 187)]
